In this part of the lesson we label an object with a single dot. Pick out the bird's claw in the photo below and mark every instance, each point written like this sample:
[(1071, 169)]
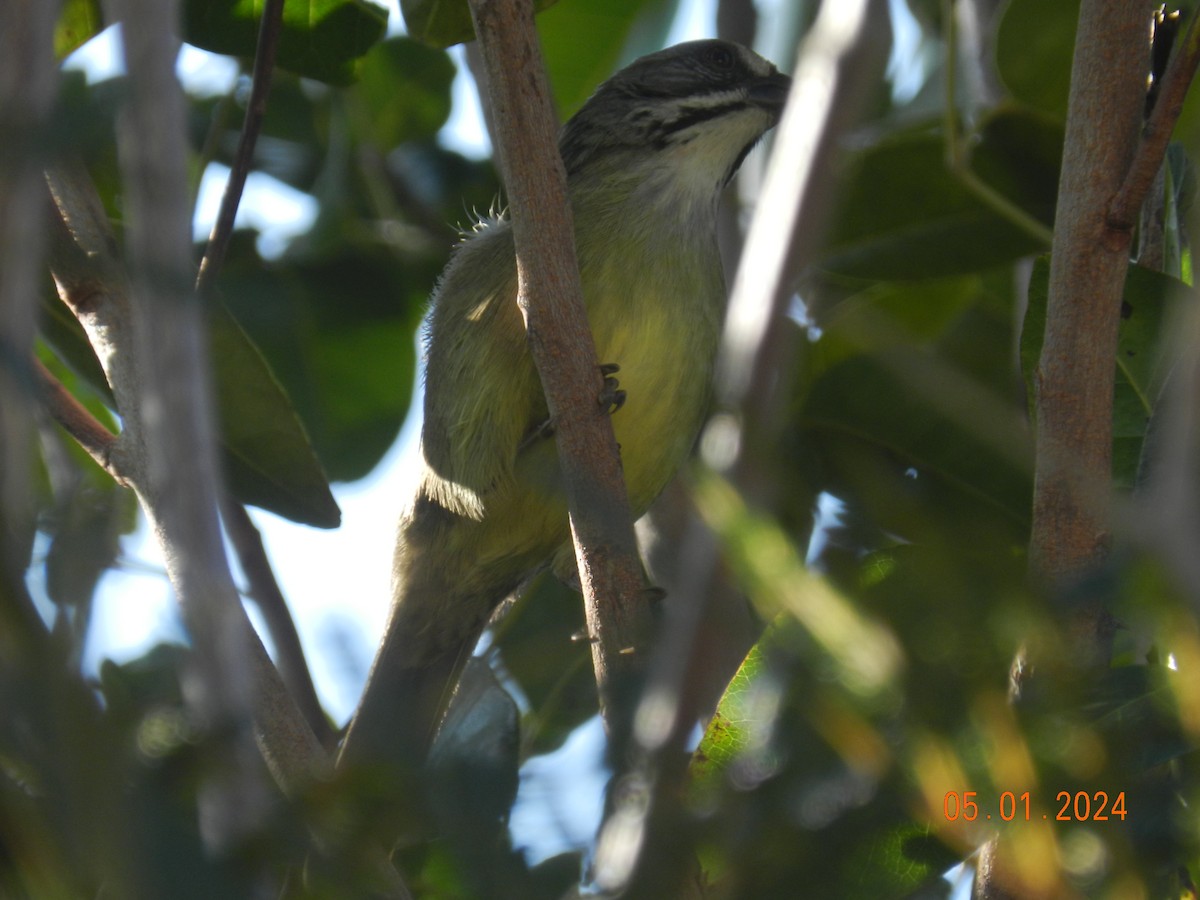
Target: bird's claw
[(612, 397)]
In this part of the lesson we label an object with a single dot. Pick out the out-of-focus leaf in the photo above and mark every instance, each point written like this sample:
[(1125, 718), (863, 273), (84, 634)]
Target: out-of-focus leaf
[(78, 22), (443, 23), (320, 39), (268, 459), (889, 314), (339, 332), (474, 759), (62, 331), (1140, 363), (1034, 46), (405, 91), (85, 528), (904, 215), (539, 646), (267, 456), (929, 418)]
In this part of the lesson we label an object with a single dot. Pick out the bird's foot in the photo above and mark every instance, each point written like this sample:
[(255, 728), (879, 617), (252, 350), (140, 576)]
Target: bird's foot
[(612, 397)]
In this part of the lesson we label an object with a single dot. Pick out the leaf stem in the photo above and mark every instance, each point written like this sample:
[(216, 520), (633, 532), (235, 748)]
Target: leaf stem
[(957, 157)]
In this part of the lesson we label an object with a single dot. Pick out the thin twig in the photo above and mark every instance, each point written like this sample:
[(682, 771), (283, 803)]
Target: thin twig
[(77, 421), (256, 109), (264, 591), (1156, 134)]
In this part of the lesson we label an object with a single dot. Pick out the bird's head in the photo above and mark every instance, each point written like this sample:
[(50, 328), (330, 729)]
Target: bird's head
[(700, 106)]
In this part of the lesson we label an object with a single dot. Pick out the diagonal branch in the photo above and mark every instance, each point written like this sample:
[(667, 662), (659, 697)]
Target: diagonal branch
[(256, 109), (560, 340), (1156, 134)]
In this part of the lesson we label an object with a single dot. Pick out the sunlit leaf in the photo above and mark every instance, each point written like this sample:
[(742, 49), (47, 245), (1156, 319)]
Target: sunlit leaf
[(78, 22), (321, 39)]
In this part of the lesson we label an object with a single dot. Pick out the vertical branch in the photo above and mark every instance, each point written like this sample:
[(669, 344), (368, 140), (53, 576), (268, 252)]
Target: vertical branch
[(28, 79), (1089, 258), (171, 415), (1074, 378), (560, 341)]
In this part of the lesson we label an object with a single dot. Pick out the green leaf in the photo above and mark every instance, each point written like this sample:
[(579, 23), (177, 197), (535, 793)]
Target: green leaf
[(320, 39), (539, 646), (733, 730), (268, 459), (922, 414), (903, 214), (267, 456), (78, 22), (443, 23), (1140, 362), (1034, 46), (617, 31), (337, 328), (404, 87)]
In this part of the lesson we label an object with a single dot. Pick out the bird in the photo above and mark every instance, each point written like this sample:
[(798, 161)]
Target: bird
[(647, 157)]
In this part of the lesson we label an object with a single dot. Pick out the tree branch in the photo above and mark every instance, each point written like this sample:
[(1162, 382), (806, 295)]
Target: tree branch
[(170, 416), (264, 591), (256, 109), (28, 81), (1073, 390), (78, 422), (1089, 257), (1156, 134), (560, 341)]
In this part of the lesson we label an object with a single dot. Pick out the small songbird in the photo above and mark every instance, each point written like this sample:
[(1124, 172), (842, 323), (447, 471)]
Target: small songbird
[(647, 157)]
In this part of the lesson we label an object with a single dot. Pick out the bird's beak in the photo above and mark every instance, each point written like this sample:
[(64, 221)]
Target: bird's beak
[(770, 92)]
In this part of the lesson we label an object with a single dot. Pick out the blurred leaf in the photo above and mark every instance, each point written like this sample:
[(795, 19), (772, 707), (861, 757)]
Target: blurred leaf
[(538, 642), (404, 87), (769, 567), (1034, 46), (888, 314), (903, 214), (320, 39), (84, 544), (268, 458), (339, 332), (928, 418), (78, 22), (443, 23), (473, 761), (1133, 708), (617, 32), (1141, 364), (62, 331)]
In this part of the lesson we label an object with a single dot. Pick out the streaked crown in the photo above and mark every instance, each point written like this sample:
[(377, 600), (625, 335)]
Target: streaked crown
[(715, 95)]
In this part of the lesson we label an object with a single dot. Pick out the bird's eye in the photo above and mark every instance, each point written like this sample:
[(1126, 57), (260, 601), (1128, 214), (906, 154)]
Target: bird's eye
[(719, 58)]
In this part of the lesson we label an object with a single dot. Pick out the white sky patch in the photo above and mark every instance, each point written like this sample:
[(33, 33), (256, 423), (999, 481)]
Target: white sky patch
[(277, 211)]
